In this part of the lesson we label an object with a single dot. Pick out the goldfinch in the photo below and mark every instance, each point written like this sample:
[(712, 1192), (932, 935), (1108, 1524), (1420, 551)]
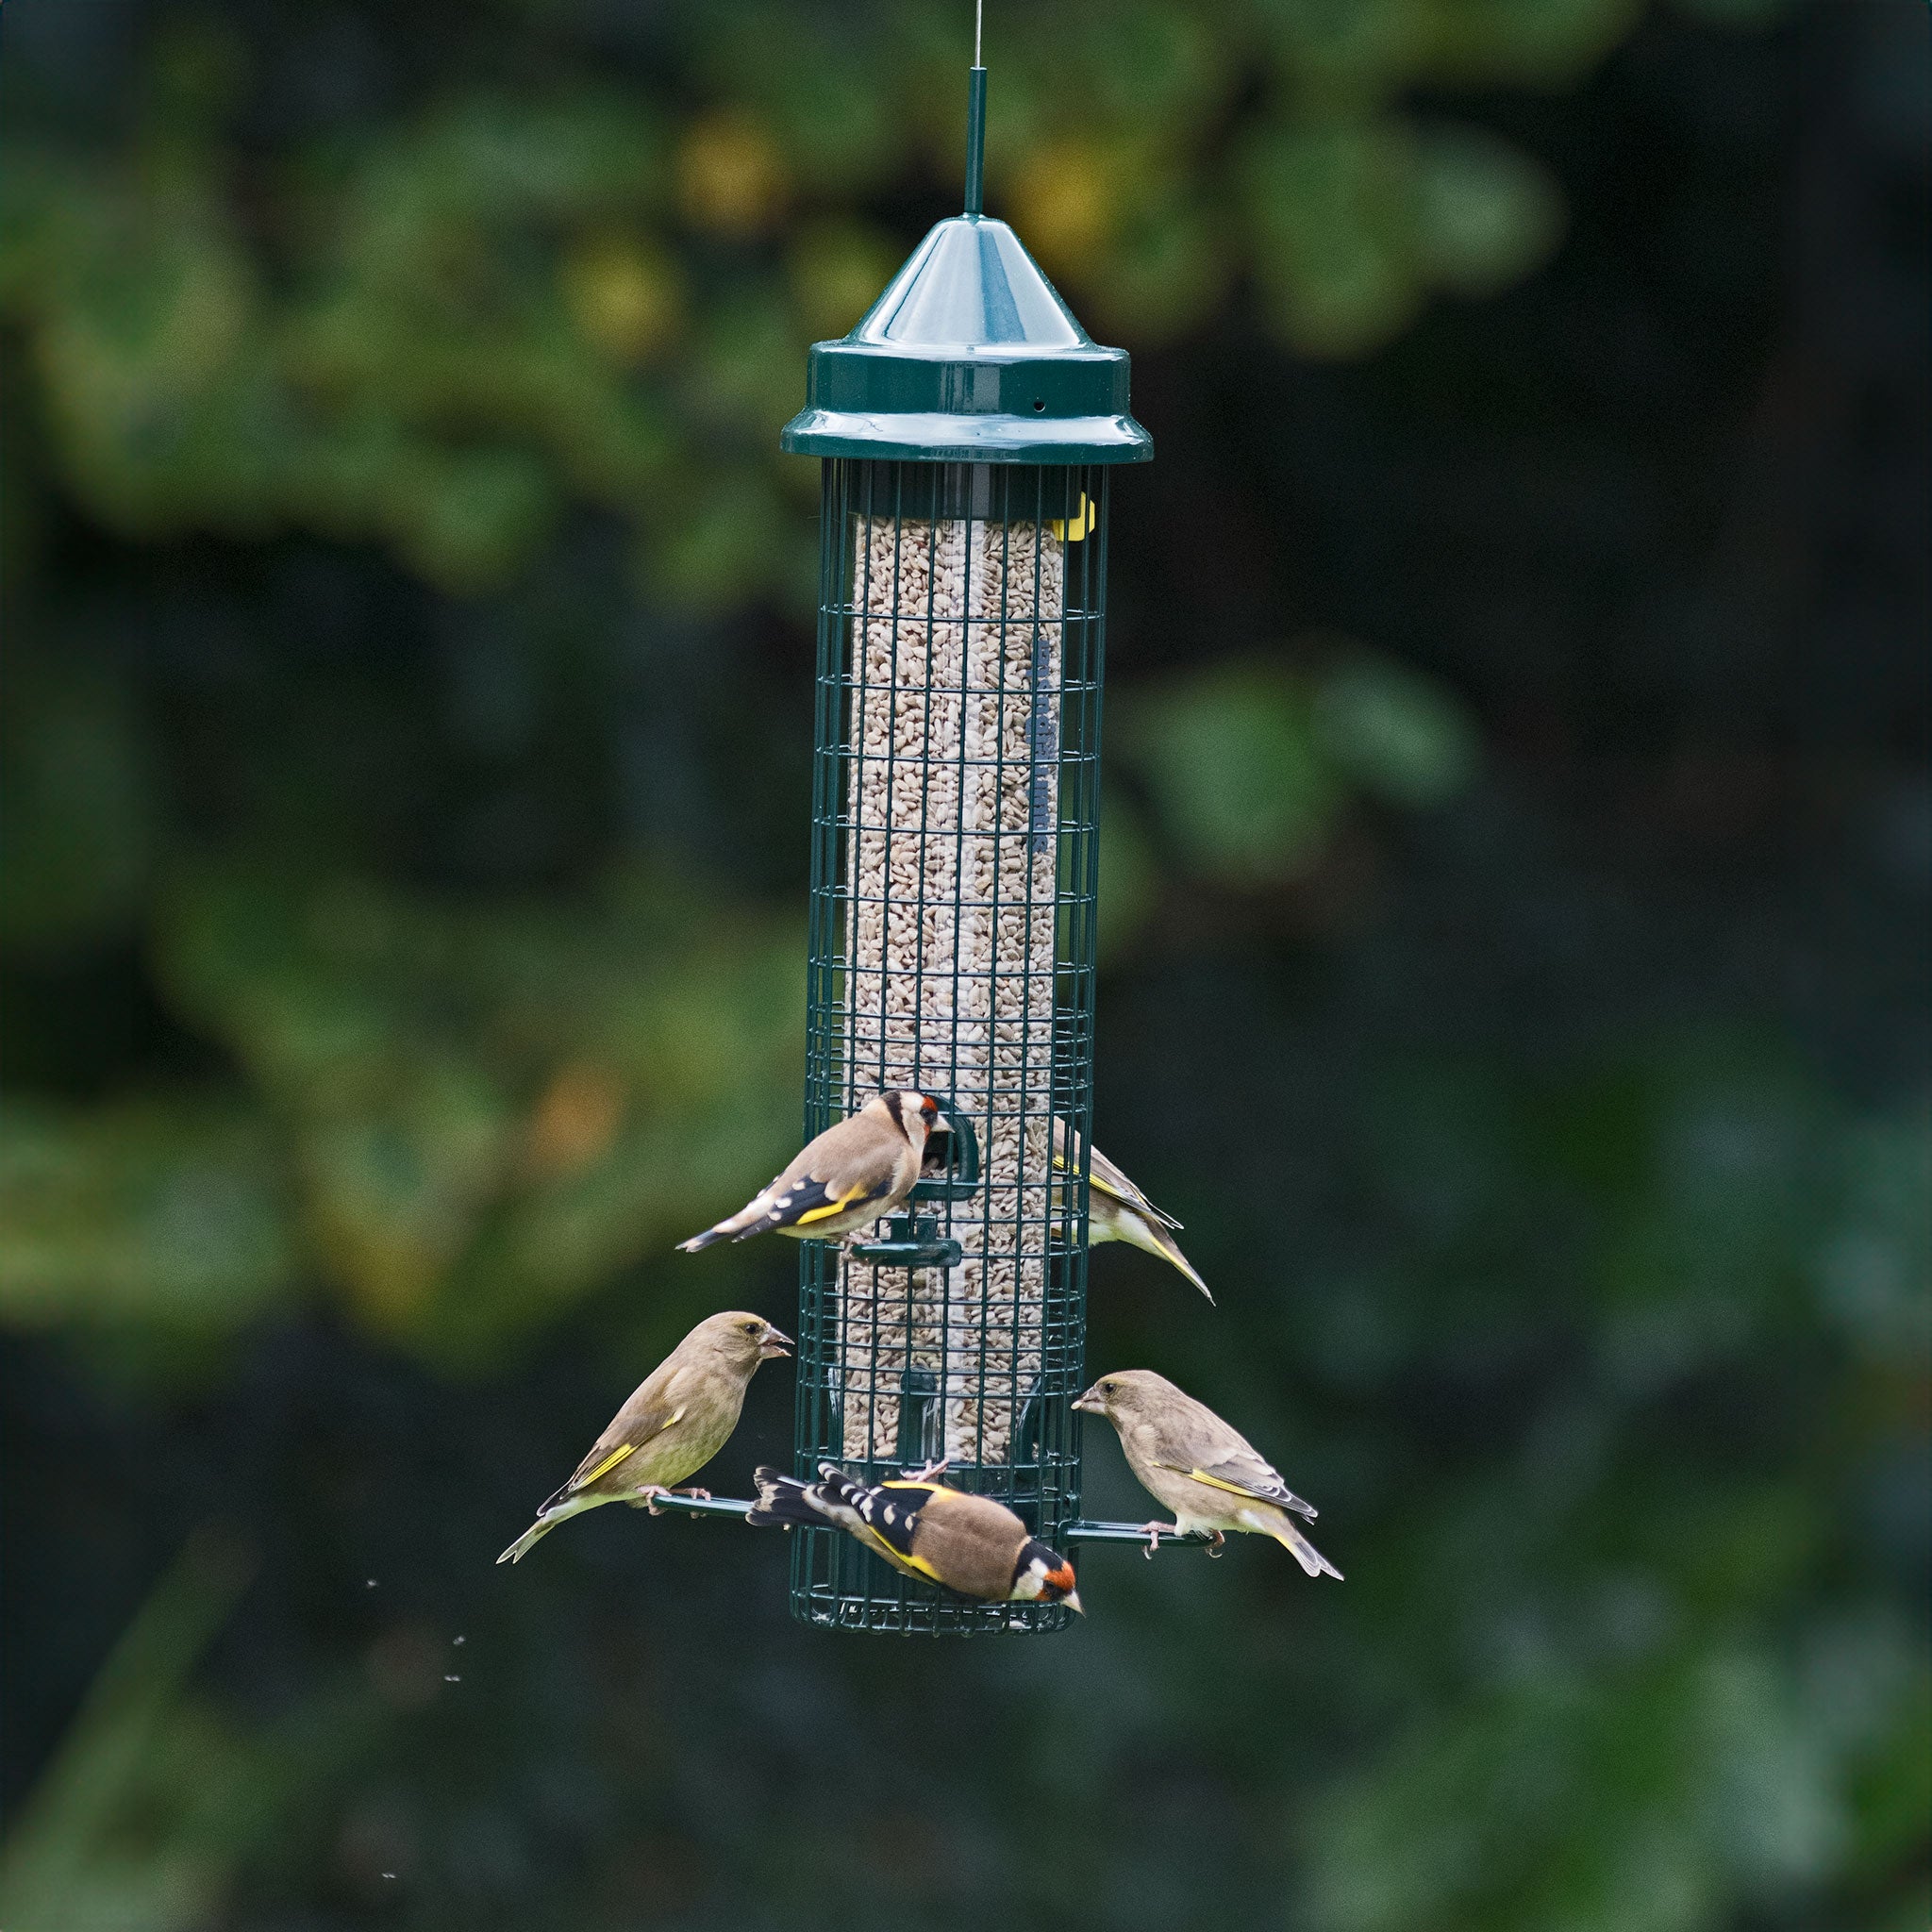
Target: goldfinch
[(968, 1545), (1206, 1472), (846, 1180), (676, 1420), (1117, 1211)]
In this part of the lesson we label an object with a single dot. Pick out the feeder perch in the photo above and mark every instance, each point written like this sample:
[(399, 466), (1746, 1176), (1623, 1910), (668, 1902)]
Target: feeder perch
[(967, 429)]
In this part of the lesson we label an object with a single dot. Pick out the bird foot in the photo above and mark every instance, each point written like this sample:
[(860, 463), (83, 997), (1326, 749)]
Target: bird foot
[(1154, 1532), (650, 1494), (1217, 1543), (931, 1470)]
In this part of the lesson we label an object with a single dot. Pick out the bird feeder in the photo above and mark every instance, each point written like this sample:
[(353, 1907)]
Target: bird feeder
[(966, 427)]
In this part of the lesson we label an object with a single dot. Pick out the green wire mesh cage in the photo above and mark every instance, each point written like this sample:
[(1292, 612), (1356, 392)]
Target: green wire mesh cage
[(967, 427)]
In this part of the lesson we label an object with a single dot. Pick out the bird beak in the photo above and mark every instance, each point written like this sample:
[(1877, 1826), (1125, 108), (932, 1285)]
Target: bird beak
[(941, 1125), (1090, 1404), (1072, 1599), (774, 1343)]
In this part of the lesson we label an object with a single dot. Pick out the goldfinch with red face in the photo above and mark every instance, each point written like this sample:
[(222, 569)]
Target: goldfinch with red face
[(853, 1173), (968, 1545), (676, 1420), (1206, 1472)]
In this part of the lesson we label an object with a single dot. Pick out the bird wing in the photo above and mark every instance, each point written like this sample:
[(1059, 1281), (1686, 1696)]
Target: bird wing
[(604, 1459), (846, 1168), (633, 1428), (798, 1203), (1102, 1173), (884, 1519), (1244, 1474), (969, 1543), (891, 1514)]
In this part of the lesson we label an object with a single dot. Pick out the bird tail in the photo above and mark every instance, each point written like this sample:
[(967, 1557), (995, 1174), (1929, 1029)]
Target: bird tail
[(790, 1503), (1301, 1549), (781, 1501), (1152, 1238), (753, 1217), (528, 1542), (559, 1508)]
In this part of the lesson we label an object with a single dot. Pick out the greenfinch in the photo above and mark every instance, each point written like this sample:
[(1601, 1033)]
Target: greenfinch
[(1208, 1472), (1117, 1211), (676, 1421)]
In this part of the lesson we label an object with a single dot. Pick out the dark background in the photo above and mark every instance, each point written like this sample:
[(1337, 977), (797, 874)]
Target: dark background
[(1515, 881)]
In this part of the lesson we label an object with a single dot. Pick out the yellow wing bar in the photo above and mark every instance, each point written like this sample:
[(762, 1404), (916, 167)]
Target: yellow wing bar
[(609, 1463), (1215, 1482), (835, 1206)]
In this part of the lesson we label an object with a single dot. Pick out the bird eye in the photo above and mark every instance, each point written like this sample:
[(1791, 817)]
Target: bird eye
[(752, 1327)]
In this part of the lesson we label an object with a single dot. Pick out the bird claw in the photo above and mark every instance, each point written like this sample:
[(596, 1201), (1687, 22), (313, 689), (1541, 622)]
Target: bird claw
[(649, 1494), (1217, 1545), (1154, 1532), (931, 1470)]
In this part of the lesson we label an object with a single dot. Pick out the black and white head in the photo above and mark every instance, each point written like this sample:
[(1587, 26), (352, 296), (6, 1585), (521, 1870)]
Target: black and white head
[(1043, 1576)]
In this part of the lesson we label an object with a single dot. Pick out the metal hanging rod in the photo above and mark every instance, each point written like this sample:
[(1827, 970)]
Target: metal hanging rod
[(1074, 1533)]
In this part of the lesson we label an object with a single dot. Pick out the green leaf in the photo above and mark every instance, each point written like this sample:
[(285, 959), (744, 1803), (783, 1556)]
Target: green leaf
[(103, 1840), (1486, 214), (1401, 736), (1334, 233), (470, 520), (141, 1211), (1234, 767), (79, 804), (491, 1107)]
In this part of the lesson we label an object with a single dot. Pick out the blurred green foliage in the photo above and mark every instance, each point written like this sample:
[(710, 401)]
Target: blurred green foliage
[(403, 783), (441, 329), (154, 1798), (438, 330), (1253, 766)]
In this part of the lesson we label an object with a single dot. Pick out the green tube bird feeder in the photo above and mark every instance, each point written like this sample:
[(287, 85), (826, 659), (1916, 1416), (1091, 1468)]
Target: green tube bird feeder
[(967, 427)]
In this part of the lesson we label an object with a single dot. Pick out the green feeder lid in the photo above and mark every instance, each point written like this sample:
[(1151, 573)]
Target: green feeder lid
[(970, 355)]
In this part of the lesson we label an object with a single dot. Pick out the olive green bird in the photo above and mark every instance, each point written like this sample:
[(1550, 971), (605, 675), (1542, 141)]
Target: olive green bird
[(676, 1420), (1117, 1211), (1209, 1474)]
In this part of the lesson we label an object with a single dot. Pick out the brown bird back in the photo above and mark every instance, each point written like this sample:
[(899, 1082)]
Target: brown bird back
[(971, 1542)]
